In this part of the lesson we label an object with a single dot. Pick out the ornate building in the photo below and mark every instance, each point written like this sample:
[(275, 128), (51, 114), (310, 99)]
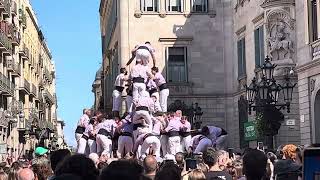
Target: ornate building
[(28, 100), (209, 49)]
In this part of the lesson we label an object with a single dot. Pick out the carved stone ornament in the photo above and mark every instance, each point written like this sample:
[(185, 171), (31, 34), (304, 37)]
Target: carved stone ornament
[(162, 14), (274, 3), (312, 84), (280, 27), (137, 14)]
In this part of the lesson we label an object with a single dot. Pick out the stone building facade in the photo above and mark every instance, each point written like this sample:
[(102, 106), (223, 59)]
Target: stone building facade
[(209, 49), (97, 91), (308, 68), (28, 100)]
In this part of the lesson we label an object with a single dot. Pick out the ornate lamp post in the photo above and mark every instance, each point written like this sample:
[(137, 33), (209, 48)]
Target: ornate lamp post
[(263, 96), (197, 116)]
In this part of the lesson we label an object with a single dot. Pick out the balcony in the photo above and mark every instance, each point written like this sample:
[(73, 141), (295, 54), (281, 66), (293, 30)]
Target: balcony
[(5, 41), (14, 8), (41, 84), (16, 37), (40, 61), (34, 91), (25, 86), (22, 18), (5, 7), (24, 52), (48, 96), (6, 86), (316, 50), (14, 68)]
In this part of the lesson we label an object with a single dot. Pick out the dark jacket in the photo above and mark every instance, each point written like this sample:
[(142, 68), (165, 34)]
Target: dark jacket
[(287, 169)]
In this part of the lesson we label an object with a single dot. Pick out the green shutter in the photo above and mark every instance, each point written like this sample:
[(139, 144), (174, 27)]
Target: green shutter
[(257, 47), (261, 37), (244, 56), (239, 58)]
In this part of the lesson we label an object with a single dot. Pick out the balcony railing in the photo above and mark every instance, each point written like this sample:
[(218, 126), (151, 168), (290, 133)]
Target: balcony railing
[(34, 90), (316, 50), (5, 7), (41, 84), (27, 85), (14, 8), (16, 37), (48, 96), (5, 33), (13, 67), (40, 61), (23, 18), (6, 85), (24, 51)]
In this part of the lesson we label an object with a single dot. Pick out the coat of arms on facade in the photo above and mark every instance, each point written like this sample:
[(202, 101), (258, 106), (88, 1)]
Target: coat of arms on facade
[(280, 34)]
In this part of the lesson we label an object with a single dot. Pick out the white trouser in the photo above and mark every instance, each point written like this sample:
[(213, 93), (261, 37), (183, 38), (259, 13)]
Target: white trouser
[(203, 145), (221, 142), (164, 145), (116, 100), (82, 146), (145, 116), (129, 103), (157, 107), (125, 145), (92, 146), (104, 145), (143, 55), (137, 89), (164, 93), (186, 142), (174, 145), (141, 130), (151, 143)]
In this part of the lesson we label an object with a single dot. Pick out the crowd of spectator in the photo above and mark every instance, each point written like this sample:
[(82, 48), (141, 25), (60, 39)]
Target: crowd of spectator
[(252, 164)]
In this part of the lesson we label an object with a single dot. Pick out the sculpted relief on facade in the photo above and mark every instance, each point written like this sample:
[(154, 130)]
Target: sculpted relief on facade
[(280, 28), (280, 39)]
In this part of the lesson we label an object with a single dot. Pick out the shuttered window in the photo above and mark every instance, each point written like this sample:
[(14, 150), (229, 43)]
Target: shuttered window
[(259, 46), (177, 64), (241, 58)]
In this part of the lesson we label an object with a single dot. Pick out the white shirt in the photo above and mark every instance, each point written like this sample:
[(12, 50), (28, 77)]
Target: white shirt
[(139, 70), (108, 124), (120, 80), (84, 121)]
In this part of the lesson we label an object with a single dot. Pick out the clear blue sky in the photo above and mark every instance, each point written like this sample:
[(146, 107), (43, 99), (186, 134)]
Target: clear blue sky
[(71, 28)]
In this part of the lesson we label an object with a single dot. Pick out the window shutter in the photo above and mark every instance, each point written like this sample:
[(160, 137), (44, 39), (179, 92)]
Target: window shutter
[(261, 40), (257, 47), (243, 56), (239, 58)]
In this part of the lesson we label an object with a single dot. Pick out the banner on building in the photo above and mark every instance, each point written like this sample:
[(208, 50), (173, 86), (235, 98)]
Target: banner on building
[(250, 131)]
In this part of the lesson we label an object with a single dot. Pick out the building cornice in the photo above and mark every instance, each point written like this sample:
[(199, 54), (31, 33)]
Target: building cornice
[(175, 39), (258, 18), (40, 34), (308, 66), (276, 3), (241, 30)]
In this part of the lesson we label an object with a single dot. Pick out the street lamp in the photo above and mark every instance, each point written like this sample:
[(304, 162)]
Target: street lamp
[(266, 92), (263, 97), (268, 69)]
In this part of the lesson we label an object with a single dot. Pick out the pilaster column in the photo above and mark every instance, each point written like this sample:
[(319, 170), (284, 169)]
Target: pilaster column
[(212, 8), (162, 8), (318, 19), (123, 48), (137, 11), (186, 7)]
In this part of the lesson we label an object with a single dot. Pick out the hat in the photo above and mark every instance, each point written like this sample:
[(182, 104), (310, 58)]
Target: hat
[(40, 151)]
